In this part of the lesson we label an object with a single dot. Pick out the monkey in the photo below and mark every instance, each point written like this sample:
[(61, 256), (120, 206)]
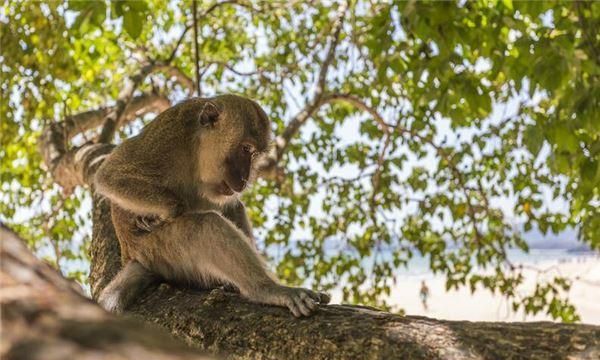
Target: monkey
[(174, 191)]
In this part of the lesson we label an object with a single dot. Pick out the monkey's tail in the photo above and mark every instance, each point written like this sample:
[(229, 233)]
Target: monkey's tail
[(126, 287)]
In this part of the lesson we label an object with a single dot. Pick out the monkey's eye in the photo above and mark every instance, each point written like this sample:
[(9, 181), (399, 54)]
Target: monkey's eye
[(247, 148)]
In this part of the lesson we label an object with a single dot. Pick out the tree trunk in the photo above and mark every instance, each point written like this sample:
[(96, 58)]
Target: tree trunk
[(224, 323)]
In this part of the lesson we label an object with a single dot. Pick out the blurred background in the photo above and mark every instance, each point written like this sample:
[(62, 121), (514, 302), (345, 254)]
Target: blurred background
[(434, 158)]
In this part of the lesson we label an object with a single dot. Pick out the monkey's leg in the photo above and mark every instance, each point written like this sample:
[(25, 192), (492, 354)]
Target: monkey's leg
[(125, 287), (206, 245)]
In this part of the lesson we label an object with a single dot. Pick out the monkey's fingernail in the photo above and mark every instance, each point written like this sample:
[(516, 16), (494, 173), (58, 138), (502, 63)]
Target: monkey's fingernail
[(324, 298)]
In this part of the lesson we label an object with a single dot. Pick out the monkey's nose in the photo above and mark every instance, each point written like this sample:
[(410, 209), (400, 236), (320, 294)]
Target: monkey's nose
[(238, 186), (243, 184)]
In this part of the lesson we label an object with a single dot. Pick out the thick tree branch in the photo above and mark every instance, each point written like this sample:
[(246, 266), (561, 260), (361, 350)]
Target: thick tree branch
[(71, 167), (225, 323), (140, 105), (44, 316), (78, 166), (350, 332)]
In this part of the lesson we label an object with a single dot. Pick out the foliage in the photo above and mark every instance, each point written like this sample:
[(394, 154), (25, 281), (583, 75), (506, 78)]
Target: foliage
[(491, 119)]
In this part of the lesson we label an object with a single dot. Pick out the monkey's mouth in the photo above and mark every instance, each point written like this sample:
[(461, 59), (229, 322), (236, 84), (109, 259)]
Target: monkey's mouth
[(224, 189)]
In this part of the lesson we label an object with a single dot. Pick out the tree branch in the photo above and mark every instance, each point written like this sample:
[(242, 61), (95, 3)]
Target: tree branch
[(196, 19), (233, 2), (196, 50), (140, 105), (259, 72), (361, 105), (269, 167), (113, 118), (299, 120), (224, 323), (587, 30), (175, 72), (177, 45), (73, 167), (376, 178)]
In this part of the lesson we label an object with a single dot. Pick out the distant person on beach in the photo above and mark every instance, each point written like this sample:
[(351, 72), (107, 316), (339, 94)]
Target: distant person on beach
[(424, 294)]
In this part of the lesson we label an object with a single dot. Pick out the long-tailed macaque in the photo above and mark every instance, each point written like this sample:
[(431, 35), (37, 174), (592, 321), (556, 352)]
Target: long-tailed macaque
[(174, 191)]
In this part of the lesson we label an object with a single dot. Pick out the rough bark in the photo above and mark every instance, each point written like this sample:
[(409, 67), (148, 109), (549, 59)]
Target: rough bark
[(45, 316), (225, 323)]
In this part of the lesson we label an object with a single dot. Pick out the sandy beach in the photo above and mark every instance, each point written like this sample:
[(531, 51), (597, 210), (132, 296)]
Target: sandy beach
[(484, 306)]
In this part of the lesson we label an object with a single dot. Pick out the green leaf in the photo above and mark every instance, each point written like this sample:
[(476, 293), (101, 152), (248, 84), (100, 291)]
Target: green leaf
[(533, 139), (133, 23), (93, 12)]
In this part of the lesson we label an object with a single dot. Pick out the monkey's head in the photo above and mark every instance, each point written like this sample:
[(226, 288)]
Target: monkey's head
[(234, 134)]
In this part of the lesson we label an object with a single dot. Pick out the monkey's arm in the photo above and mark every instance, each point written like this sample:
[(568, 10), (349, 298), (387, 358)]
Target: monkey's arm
[(133, 190), (236, 213), (207, 245)]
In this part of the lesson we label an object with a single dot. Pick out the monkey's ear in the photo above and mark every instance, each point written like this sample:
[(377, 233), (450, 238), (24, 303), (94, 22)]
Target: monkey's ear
[(209, 114)]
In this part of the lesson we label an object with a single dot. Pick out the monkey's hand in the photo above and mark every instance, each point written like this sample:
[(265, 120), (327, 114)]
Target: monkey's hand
[(147, 223), (301, 302)]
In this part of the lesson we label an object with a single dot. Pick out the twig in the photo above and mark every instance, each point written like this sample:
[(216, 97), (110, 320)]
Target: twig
[(295, 124), (196, 55), (179, 41)]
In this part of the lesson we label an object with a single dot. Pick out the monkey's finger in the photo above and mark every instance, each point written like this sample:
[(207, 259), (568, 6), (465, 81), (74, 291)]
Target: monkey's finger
[(312, 305), (293, 308), (142, 223), (316, 296), (301, 306), (324, 298)]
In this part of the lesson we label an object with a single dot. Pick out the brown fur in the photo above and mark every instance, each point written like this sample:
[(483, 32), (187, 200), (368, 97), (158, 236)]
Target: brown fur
[(174, 190)]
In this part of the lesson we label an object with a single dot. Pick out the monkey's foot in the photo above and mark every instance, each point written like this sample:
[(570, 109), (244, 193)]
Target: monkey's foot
[(111, 302)]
